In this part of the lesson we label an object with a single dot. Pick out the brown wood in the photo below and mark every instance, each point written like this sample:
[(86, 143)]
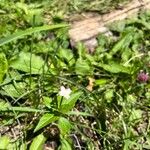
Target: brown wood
[(91, 27)]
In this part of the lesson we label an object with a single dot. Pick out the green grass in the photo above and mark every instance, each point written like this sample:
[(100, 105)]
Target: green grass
[(36, 60)]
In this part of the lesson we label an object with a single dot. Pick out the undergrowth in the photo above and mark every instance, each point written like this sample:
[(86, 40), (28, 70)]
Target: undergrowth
[(55, 96)]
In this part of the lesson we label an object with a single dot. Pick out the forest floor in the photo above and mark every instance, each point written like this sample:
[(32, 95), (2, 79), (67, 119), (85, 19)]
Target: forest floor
[(54, 95)]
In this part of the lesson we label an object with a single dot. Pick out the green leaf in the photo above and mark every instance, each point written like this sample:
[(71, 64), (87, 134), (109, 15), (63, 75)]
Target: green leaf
[(131, 99), (81, 50), (109, 95), (127, 144), (65, 145), (45, 120), (47, 101), (6, 107), (14, 90), (136, 115), (146, 146), (67, 55), (68, 104), (4, 142), (64, 126), (3, 66), (3, 104), (38, 143), (17, 145), (82, 67), (118, 26), (122, 44), (77, 113), (101, 81), (28, 32), (145, 24), (25, 61), (20, 109), (126, 55), (34, 13), (114, 67)]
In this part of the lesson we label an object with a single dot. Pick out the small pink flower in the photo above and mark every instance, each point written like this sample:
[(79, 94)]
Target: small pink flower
[(143, 77)]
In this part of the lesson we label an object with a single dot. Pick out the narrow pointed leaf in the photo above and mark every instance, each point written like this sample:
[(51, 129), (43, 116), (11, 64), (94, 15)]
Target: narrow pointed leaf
[(28, 32)]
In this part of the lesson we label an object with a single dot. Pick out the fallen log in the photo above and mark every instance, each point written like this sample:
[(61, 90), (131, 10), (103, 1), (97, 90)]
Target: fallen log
[(87, 29)]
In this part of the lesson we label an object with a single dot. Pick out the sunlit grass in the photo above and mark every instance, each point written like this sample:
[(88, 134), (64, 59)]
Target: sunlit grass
[(56, 96)]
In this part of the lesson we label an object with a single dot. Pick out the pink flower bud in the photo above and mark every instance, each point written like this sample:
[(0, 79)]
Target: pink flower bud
[(143, 77)]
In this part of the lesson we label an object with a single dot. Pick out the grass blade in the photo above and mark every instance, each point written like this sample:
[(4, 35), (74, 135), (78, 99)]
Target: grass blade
[(29, 31), (21, 109)]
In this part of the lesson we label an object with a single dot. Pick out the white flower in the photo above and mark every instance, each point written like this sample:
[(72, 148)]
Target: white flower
[(65, 92)]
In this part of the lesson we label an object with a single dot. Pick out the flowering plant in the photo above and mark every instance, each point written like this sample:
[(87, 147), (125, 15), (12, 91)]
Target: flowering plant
[(65, 92)]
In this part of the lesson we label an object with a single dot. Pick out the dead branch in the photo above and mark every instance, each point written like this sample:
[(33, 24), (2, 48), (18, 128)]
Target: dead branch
[(91, 27)]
